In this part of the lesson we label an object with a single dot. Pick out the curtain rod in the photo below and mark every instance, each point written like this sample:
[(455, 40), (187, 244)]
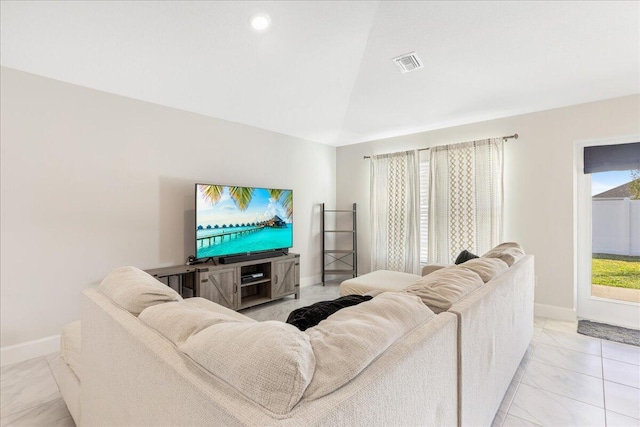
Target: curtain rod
[(504, 138)]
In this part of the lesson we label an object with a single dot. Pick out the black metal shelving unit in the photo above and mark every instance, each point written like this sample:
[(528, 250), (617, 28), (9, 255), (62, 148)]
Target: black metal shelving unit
[(339, 261)]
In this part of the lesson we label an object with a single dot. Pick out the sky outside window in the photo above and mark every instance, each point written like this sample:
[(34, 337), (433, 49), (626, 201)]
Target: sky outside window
[(604, 181)]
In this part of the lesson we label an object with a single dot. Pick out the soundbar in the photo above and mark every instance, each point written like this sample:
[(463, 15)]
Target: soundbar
[(250, 257)]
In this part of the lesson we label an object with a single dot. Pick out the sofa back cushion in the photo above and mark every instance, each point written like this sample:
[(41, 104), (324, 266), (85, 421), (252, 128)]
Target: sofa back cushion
[(134, 290), (269, 362), (179, 320), (509, 252), (209, 305), (443, 288), (346, 342), (486, 268)]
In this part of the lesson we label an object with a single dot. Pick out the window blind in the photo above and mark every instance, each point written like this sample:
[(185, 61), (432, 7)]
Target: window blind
[(605, 158)]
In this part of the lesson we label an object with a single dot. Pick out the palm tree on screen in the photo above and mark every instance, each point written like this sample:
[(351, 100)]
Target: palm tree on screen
[(241, 196), (287, 201), (211, 193), (285, 198)]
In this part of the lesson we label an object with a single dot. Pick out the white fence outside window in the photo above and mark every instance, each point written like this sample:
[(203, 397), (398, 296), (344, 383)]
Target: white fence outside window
[(616, 226)]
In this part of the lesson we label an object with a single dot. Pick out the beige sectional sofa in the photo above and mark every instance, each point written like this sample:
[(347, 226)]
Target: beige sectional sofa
[(493, 299), (150, 358)]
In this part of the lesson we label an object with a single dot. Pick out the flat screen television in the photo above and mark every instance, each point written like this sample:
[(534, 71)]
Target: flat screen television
[(242, 220)]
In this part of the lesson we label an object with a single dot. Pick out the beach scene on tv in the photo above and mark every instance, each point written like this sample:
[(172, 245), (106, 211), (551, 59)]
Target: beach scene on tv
[(234, 220)]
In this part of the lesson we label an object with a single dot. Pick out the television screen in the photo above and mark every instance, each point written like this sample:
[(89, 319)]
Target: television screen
[(241, 220)]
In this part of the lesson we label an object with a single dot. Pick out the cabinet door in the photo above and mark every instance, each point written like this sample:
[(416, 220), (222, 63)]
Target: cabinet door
[(286, 277), (219, 286)]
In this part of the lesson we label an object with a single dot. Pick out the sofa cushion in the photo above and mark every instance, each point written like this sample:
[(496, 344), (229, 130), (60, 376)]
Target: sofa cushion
[(209, 305), (384, 280), (349, 340), (269, 362), (306, 317), (178, 320), (134, 290), (443, 288), (486, 268), (509, 252), (70, 346), (430, 268)]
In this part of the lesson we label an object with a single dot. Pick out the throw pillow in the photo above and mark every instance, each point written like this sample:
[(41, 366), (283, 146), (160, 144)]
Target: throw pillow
[(509, 252), (307, 317), (134, 290), (465, 256)]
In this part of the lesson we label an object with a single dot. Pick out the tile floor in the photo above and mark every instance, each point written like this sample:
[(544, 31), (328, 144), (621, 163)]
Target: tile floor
[(565, 379), (29, 394)]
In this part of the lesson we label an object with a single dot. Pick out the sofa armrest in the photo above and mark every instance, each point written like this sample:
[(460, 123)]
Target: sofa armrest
[(430, 268)]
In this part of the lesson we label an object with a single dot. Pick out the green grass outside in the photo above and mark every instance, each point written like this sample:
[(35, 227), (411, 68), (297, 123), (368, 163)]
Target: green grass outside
[(621, 271)]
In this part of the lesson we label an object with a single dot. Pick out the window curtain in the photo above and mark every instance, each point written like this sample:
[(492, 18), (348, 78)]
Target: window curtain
[(465, 202), (395, 212), (423, 156)]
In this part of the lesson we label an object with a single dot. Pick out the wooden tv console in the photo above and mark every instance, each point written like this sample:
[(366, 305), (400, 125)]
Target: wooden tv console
[(239, 285)]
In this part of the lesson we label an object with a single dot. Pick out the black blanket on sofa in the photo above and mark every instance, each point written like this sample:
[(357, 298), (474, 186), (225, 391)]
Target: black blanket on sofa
[(306, 317)]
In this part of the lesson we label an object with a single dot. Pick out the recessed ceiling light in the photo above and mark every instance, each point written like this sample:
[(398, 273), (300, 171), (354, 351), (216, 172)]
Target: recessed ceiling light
[(260, 21)]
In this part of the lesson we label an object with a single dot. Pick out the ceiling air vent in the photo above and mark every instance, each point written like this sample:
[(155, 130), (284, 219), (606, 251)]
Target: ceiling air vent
[(408, 62)]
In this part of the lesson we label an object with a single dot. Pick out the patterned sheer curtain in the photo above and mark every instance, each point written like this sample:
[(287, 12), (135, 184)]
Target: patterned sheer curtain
[(395, 212), (465, 203)]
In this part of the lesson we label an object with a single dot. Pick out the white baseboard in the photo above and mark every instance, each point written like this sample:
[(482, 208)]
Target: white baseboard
[(555, 312), (28, 350)]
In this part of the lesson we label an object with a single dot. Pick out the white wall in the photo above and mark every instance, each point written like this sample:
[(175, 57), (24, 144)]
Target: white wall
[(616, 226), (539, 181), (91, 181)]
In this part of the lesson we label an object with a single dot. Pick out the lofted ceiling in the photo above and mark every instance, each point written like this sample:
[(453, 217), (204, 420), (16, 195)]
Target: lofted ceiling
[(323, 71)]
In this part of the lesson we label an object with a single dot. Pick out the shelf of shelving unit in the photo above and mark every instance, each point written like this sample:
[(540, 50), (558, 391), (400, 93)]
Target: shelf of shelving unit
[(255, 282), (342, 257)]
